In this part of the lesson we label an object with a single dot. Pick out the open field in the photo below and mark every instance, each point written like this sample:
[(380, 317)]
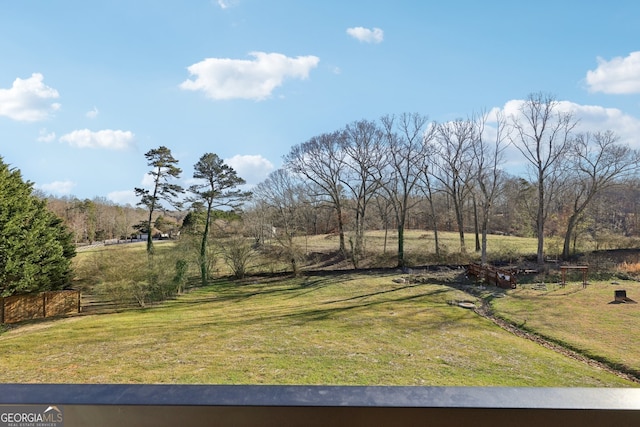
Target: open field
[(419, 250), (332, 327), (348, 329), (582, 319), (420, 246)]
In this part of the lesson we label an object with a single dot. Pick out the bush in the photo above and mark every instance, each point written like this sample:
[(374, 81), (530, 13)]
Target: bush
[(126, 277), (119, 292), (180, 278), (237, 252)]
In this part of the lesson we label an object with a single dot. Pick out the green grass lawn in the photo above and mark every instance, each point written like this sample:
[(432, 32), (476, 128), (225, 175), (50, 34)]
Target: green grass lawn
[(584, 319), (344, 329)]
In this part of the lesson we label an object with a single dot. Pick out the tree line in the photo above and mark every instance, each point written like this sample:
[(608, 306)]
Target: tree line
[(388, 172), (408, 172), (455, 170), (397, 172)]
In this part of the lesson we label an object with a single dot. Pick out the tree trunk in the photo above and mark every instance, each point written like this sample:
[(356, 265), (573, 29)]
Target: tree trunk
[(483, 249), (540, 223), (571, 225), (149, 238), (435, 223), (386, 233), (460, 221), (401, 243), (475, 224), (204, 273), (343, 247)]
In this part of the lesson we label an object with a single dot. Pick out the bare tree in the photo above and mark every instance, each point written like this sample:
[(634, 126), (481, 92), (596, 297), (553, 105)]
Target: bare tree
[(384, 212), (430, 191), (597, 162), (543, 136), (408, 140), (283, 195), (488, 157), (362, 144), (451, 165), (321, 160)]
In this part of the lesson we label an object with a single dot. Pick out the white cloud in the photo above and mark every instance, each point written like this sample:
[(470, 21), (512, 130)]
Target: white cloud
[(93, 113), (366, 35), (618, 76), (225, 4), (109, 139), (224, 78), (58, 187), (591, 118), (252, 168), (124, 197), (596, 118), (45, 136), (148, 181), (28, 100)]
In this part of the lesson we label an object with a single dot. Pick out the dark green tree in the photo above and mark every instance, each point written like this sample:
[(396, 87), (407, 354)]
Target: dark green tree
[(164, 169), (216, 188), (193, 222), (35, 247)]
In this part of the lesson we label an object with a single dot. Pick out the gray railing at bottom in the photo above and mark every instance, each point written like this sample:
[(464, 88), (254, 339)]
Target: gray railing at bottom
[(69, 405)]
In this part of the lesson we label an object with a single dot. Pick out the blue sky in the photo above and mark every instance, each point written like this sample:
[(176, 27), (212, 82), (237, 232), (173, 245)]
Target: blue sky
[(87, 87)]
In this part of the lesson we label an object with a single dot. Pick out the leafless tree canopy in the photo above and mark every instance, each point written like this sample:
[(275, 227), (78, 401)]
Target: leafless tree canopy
[(404, 172)]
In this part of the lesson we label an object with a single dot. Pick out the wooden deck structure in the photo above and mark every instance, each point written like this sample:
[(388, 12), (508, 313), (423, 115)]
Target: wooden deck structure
[(583, 268), (502, 278)]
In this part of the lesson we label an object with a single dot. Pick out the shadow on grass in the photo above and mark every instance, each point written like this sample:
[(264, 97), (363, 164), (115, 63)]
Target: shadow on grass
[(320, 314), (225, 290), (387, 291)]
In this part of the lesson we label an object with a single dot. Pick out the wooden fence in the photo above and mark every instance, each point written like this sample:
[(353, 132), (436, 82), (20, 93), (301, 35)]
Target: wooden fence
[(505, 279), (18, 308)]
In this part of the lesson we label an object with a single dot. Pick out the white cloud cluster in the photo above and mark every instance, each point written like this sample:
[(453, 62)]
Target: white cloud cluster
[(93, 113), (366, 35), (252, 168), (591, 118), (226, 4), (28, 100), (58, 187), (109, 139), (124, 197), (224, 78), (618, 76), (147, 181), (46, 136)]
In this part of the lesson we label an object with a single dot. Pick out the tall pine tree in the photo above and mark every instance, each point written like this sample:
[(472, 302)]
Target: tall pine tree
[(216, 187), (164, 168), (35, 247)]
